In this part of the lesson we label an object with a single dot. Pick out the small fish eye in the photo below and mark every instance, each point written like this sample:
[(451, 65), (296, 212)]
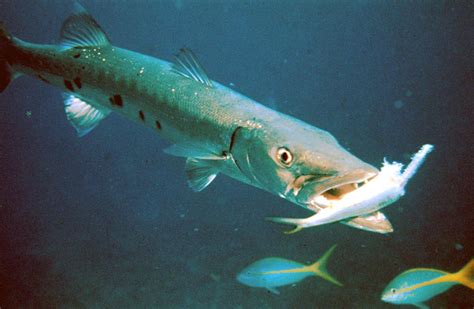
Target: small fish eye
[(284, 156), (393, 291)]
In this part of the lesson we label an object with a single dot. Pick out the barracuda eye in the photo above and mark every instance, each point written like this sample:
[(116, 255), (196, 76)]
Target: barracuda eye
[(284, 156)]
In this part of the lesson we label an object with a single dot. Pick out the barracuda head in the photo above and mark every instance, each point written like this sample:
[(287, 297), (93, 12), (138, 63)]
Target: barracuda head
[(297, 161)]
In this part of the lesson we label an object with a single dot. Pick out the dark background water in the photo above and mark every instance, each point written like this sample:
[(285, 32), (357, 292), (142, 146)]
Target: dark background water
[(107, 220)]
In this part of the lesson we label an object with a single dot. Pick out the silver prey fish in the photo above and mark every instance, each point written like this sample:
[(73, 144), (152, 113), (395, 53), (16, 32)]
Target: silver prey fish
[(215, 128)]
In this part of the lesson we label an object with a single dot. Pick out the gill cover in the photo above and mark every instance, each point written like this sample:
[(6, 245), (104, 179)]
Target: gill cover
[(250, 155)]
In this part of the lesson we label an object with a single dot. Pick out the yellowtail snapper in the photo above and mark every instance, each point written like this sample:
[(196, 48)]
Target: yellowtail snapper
[(272, 272), (415, 286)]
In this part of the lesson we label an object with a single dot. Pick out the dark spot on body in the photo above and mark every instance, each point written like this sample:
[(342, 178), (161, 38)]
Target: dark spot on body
[(77, 56), (78, 83), (142, 115), (83, 67), (116, 100), (158, 125), (68, 85), (43, 79)]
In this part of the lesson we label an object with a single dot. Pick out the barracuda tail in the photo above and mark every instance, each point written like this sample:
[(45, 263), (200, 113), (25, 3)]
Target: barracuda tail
[(5, 70)]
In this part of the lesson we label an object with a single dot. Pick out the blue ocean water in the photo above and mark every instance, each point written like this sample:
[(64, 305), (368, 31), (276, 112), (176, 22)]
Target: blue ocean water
[(108, 221)]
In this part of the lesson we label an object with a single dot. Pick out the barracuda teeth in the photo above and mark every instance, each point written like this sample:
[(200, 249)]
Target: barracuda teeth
[(320, 202), (296, 191)]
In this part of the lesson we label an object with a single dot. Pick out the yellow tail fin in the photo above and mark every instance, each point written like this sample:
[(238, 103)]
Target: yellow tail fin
[(466, 275), (319, 267)]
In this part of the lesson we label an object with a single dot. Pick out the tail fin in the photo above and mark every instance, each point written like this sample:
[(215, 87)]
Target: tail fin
[(5, 71), (466, 275), (319, 267)]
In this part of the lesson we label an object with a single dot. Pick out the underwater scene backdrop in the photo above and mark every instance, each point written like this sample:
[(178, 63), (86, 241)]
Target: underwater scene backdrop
[(107, 220)]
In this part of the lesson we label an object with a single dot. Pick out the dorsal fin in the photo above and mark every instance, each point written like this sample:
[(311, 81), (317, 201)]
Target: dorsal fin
[(81, 29), (187, 65)]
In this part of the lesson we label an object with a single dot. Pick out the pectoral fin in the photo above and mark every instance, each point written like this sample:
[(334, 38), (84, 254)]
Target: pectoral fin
[(273, 290), (202, 164), (375, 222), (200, 173)]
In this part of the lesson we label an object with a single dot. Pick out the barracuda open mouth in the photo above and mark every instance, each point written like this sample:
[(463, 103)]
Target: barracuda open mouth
[(337, 192), (318, 192)]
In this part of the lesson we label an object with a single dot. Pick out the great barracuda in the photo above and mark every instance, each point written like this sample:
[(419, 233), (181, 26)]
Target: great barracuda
[(215, 128)]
